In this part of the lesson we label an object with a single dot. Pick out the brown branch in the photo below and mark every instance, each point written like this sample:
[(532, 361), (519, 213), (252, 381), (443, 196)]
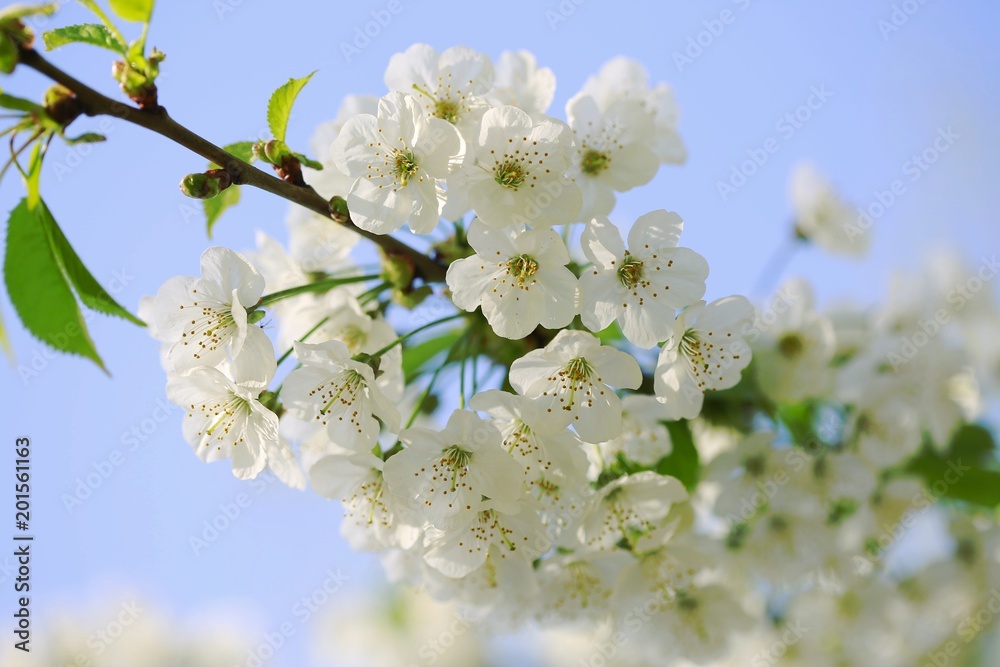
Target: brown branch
[(93, 103)]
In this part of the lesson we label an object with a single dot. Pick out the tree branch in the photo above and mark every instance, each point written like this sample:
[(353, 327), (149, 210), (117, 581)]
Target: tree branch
[(156, 119)]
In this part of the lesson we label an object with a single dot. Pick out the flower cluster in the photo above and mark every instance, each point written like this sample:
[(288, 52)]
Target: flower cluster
[(613, 449)]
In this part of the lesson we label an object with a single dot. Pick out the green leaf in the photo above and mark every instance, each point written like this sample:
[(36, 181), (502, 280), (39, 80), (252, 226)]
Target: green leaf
[(279, 107), (682, 462), (215, 206), (31, 183), (973, 442), (99, 13), (416, 356), (19, 104), (958, 473), (20, 11), (8, 54), (610, 334), (87, 33), (38, 288), (90, 291), (133, 10), (241, 149), (312, 164), (85, 138)]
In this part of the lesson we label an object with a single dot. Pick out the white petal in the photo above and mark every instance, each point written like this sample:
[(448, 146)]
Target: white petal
[(656, 229), (602, 244)]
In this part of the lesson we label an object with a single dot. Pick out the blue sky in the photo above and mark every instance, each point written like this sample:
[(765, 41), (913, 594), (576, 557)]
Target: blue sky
[(891, 91)]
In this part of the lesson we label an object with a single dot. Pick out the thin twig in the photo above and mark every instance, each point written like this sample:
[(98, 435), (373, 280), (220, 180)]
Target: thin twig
[(93, 103)]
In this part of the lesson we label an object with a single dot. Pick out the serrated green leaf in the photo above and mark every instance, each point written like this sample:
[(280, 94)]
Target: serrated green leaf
[(279, 107), (416, 356), (133, 10), (87, 288), (19, 11), (99, 13), (682, 462), (216, 206), (86, 33), (38, 288)]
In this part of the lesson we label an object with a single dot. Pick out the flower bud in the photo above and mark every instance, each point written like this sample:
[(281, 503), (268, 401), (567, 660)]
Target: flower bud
[(62, 105), (139, 88), (339, 211), (397, 270), (410, 299), (206, 185)]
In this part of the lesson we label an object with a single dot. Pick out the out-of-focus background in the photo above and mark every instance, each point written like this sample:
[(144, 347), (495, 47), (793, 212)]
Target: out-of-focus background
[(122, 508)]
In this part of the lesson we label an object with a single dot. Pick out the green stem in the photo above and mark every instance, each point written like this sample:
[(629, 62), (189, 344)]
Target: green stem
[(416, 331), (324, 285), (301, 340), (434, 377), (373, 293), (461, 377), (776, 265)]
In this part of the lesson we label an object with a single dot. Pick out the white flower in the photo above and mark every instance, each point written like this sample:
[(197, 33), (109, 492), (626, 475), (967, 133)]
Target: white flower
[(224, 418), (579, 585), (330, 180), (644, 438), (282, 462), (374, 517), (462, 549), (625, 79), (520, 82), (822, 216), (570, 377), (612, 151), (449, 86), (641, 287), (630, 508), (785, 543), (705, 352), (337, 315), (545, 449), (317, 243), (887, 431), (747, 473), (518, 172), (794, 351), (518, 277), (933, 380), (696, 625), (280, 270), (205, 318), (447, 475), (397, 159), (340, 393)]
